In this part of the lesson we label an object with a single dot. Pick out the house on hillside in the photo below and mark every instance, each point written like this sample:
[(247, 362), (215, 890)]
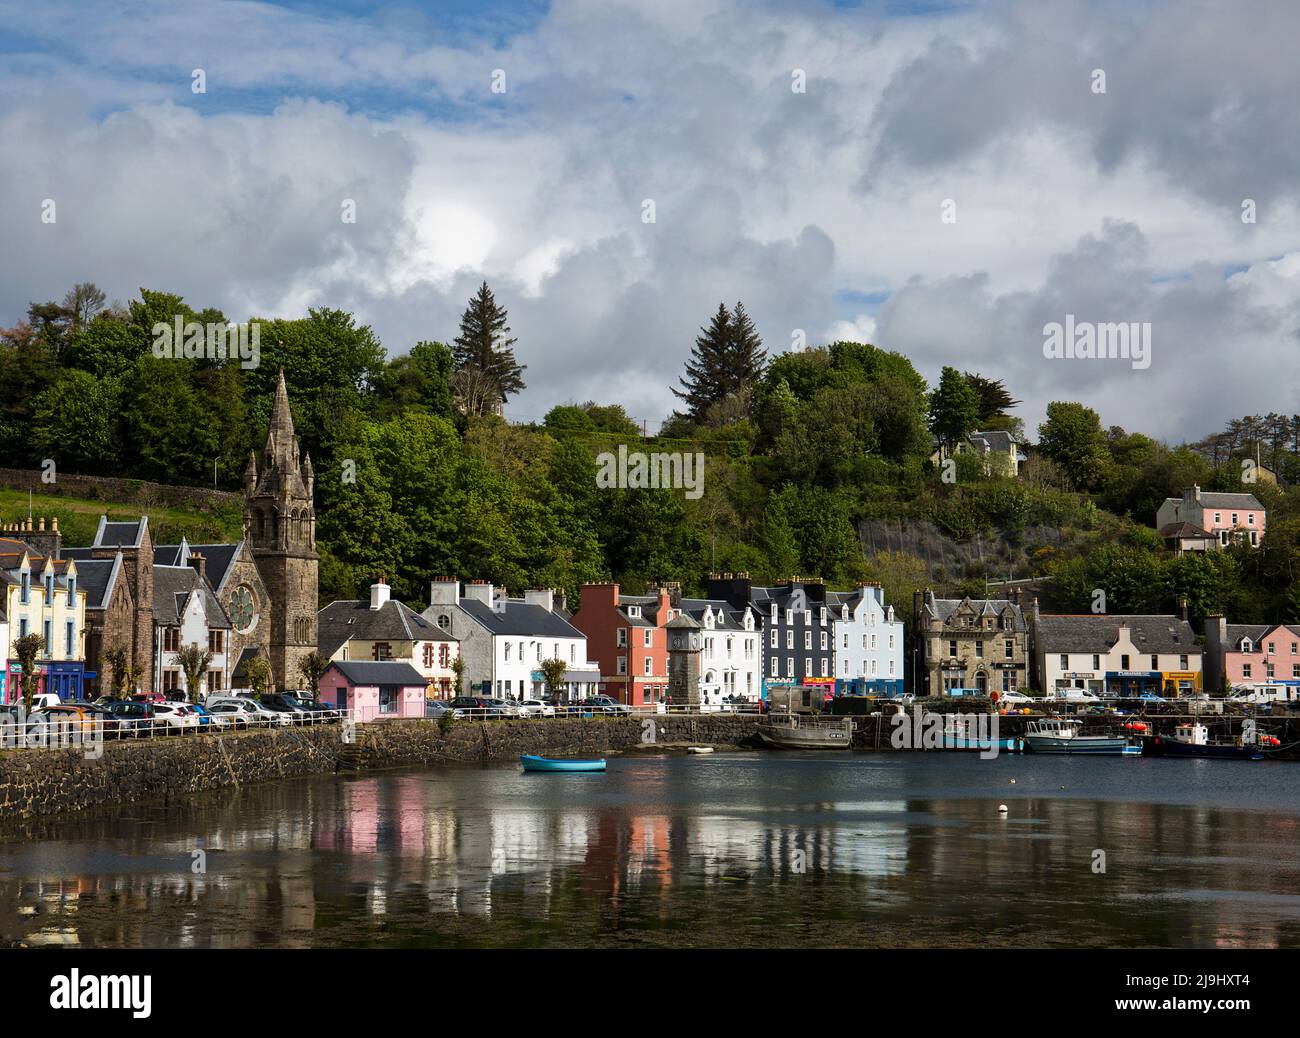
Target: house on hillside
[(1199, 520), (1003, 454)]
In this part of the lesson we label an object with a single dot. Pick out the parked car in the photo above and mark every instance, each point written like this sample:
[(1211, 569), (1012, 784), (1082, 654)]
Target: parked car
[(436, 708), (76, 716), (506, 707), (229, 715), (320, 712), (1015, 699), (1151, 697), (45, 699), (474, 706), (176, 717), (537, 708), (132, 718), (284, 703), (255, 712), (1075, 695), (149, 697), (604, 705)]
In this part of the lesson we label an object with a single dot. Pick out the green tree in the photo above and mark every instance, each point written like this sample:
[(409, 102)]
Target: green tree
[(193, 662), (553, 671), (75, 422), (954, 409), (26, 651), (726, 362), (483, 345), (257, 672), (311, 668), (1072, 437)]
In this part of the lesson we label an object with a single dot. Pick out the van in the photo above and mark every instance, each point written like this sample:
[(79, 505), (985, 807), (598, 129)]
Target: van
[(1265, 693)]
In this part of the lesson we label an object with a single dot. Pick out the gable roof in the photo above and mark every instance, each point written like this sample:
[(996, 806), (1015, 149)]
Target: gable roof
[(516, 617), (172, 587), (129, 534), (379, 672), (1085, 633), (944, 609), (1215, 500), (348, 618), (98, 578)]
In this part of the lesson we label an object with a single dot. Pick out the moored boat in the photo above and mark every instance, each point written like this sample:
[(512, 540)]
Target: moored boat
[(1062, 735), (804, 732), (534, 763), (1192, 740)]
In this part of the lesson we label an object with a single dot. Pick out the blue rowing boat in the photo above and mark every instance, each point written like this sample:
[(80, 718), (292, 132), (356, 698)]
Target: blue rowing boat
[(533, 763)]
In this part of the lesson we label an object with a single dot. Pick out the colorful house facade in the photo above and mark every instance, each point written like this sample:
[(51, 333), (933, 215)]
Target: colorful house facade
[(41, 596), (868, 642), (372, 690), (1201, 520), (1122, 656), (381, 628), (627, 637), (1250, 654)]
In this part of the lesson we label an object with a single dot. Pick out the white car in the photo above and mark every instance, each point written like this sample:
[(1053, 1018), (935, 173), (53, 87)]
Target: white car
[(1076, 695), (175, 715), (1019, 698), (537, 708), (253, 711)]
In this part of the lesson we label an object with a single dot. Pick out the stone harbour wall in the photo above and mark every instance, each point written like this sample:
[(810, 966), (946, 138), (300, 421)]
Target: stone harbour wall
[(39, 783)]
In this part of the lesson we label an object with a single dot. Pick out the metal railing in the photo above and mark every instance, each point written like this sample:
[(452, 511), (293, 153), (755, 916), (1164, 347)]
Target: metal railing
[(60, 731), (514, 711)]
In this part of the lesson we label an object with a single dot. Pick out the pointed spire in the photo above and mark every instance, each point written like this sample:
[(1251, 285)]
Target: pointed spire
[(280, 435)]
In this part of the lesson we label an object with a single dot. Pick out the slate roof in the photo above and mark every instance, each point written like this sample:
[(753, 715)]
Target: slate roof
[(98, 578), (732, 619), (217, 558), (379, 672), (945, 608), (172, 587), (1215, 500), (1236, 632), (120, 534), (997, 440), (1085, 633), (520, 618), (349, 618), (1185, 530)]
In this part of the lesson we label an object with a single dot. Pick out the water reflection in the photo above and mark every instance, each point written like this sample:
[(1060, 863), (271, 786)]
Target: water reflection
[(731, 850)]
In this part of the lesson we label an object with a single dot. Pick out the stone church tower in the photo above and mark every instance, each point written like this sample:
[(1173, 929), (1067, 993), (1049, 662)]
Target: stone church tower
[(280, 526)]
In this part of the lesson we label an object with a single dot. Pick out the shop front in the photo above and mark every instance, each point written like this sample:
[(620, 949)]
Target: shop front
[(1130, 684), (1179, 684)]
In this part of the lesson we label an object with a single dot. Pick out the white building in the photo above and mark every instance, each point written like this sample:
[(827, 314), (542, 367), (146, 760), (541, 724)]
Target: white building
[(731, 660), (504, 640), (868, 643), (186, 612)]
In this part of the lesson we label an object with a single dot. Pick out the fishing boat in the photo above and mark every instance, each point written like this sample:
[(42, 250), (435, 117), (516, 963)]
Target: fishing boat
[(534, 763), (1061, 735), (963, 733), (804, 732), (1192, 740)]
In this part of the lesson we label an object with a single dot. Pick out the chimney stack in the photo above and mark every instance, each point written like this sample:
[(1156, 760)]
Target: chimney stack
[(379, 594)]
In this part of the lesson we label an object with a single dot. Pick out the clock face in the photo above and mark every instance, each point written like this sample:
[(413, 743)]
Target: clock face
[(243, 610)]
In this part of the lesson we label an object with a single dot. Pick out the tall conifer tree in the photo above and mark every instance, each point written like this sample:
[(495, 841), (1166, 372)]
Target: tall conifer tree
[(728, 358), (483, 345)]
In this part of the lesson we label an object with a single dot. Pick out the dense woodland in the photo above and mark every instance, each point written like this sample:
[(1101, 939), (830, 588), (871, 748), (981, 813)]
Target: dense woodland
[(800, 448)]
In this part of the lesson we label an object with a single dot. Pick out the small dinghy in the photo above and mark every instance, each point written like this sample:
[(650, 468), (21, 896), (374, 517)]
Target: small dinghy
[(699, 749), (532, 763)]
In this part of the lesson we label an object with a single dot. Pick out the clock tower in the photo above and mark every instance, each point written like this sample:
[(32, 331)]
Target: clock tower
[(280, 527)]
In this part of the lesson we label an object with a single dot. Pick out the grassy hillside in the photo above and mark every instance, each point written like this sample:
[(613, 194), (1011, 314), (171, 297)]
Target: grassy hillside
[(79, 517)]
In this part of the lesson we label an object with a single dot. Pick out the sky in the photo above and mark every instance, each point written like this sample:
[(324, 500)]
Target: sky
[(949, 180)]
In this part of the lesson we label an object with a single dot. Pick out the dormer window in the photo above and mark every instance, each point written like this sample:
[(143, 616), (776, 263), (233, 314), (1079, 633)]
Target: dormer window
[(633, 610), (1246, 645)]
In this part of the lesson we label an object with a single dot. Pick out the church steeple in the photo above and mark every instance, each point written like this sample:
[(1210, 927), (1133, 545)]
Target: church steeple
[(280, 524)]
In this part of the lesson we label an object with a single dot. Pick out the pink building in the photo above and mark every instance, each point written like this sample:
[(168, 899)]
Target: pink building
[(371, 690), (1198, 521), (1250, 654)]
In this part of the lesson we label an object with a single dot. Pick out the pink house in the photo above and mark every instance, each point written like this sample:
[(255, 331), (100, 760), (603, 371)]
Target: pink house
[(371, 690), (1250, 654), (1198, 521)]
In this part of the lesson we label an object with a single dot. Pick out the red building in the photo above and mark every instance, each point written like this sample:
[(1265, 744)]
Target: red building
[(626, 636)]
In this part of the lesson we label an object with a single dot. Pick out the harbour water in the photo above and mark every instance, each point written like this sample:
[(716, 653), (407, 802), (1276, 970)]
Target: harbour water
[(723, 850)]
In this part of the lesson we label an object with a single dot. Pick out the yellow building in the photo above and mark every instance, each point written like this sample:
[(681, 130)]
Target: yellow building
[(41, 597)]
